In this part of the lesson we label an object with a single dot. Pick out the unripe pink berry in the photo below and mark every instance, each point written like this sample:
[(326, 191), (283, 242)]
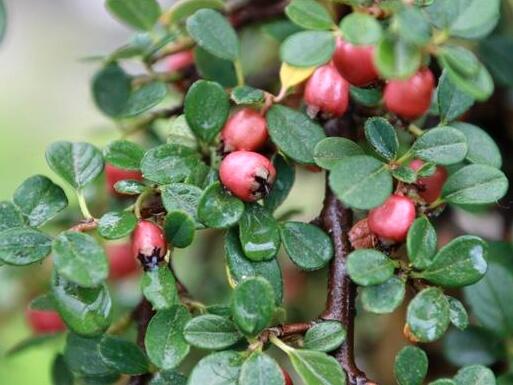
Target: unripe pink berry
[(44, 321), (121, 262), (430, 187), (247, 175), (148, 244), (355, 63), (327, 91), (180, 60), (114, 174), (245, 130), (392, 220), (410, 98)]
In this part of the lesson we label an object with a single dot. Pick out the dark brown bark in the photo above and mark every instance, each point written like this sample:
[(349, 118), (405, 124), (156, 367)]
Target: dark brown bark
[(257, 11)]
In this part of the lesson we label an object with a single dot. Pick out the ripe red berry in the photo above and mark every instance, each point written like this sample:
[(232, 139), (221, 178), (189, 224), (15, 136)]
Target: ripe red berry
[(121, 262), (286, 377), (44, 321), (355, 63), (180, 60), (327, 91), (114, 174), (245, 130), (410, 98), (149, 244), (247, 175), (430, 187), (392, 220)]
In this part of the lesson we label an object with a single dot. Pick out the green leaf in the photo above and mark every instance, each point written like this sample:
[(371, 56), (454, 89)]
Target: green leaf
[(61, 374), (86, 311), (259, 233), (405, 174), (421, 243), (123, 356), (80, 259), (382, 137), (76, 163), (213, 33), (308, 246), (117, 224), (368, 97), (239, 267), (330, 150), (179, 228), (43, 302), (206, 109), (482, 149), (247, 95), (396, 58), (412, 25), (411, 366), (475, 375), (185, 8), (181, 197), (22, 246), (140, 14), (30, 343), (3, 20), (308, 48), (280, 29), (167, 377), (260, 369), (82, 355), (361, 182), (361, 29), (428, 315), (144, 98), (211, 332), (443, 381), (219, 210), (251, 313), (10, 216), (496, 53), (165, 344), (111, 89), (452, 102), (294, 133), (383, 298), (441, 145), (325, 336), (124, 154), (317, 368), (180, 132), (309, 14), (214, 68), (369, 267), (168, 163), (458, 313), (285, 177), (159, 287), (221, 368), (130, 187), (475, 345), (475, 185), (39, 200)]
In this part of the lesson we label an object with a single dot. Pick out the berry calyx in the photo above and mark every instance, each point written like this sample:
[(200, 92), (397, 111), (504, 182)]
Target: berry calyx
[(430, 187), (121, 263), (245, 130), (410, 98), (247, 175), (355, 63), (327, 91), (114, 174), (286, 377), (180, 60), (149, 244), (392, 220), (44, 321)]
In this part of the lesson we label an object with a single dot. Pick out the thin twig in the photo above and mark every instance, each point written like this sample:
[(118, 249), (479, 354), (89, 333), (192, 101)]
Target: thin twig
[(142, 315)]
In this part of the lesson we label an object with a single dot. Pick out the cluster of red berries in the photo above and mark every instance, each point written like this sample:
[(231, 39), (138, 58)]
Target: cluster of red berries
[(327, 90)]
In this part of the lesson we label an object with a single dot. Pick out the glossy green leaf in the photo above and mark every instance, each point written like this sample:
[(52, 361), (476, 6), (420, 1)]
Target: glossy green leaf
[(396, 58), (482, 149), (180, 133), (181, 197), (294, 133), (261, 369), (159, 287), (316, 368), (369, 267), (179, 228), (144, 98), (76, 163), (130, 187), (247, 95), (80, 259), (308, 48), (369, 97), (473, 346), (308, 246), (325, 336), (211, 332), (259, 233), (443, 381), (124, 154), (285, 177), (382, 137), (206, 109), (168, 163), (123, 356), (165, 344), (253, 313), (117, 224), (61, 374), (214, 68), (475, 375), (166, 377), (412, 25), (213, 33), (383, 298), (82, 355), (452, 102), (441, 145), (22, 246), (140, 14), (330, 150), (421, 243), (411, 366), (10, 216), (218, 209), (458, 313), (39, 200), (111, 89), (221, 368), (361, 29), (309, 14), (404, 174), (428, 315), (185, 8)]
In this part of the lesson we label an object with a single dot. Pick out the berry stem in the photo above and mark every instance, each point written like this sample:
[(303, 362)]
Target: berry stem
[(280, 344), (239, 72), (83, 206)]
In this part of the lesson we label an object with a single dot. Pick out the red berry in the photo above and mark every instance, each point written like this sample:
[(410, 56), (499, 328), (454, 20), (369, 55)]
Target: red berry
[(286, 377), (44, 321), (355, 63), (247, 175), (114, 174), (180, 60), (392, 219), (430, 187), (121, 262), (149, 244), (411, 98), (327, 91), (244, 130)]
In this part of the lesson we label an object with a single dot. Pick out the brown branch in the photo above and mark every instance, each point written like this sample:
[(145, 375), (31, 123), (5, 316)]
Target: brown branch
[(256, 11), (285, 330), (85, 225), (142, 315)]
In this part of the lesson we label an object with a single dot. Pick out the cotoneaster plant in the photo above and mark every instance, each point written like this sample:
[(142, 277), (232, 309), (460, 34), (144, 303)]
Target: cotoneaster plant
[(369, 92)]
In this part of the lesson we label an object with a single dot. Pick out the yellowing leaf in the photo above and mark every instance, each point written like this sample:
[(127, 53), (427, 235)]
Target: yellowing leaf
[(291, 76)]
